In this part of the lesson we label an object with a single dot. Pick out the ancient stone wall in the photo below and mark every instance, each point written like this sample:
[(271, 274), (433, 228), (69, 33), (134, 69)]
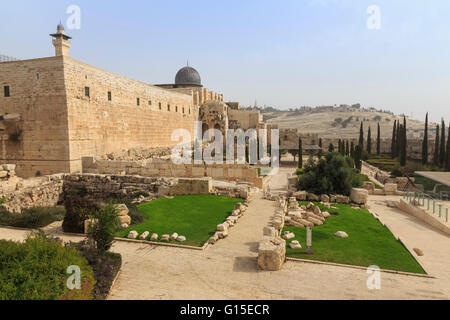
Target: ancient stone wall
[(34, 132), (137, 114), (34, 192), (166, 168), (244, 119)]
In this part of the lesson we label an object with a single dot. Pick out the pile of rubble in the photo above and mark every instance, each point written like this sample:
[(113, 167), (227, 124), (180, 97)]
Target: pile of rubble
[(8, 179), (308, 196), (154, 237), (139, 154), (222, 229), (305, 216)]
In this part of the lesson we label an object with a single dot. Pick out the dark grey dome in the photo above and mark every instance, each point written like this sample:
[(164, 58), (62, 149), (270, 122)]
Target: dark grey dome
[(60, 27), (188, 75)]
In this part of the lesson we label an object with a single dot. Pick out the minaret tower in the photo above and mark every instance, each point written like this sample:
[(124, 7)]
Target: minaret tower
[(61, 41)]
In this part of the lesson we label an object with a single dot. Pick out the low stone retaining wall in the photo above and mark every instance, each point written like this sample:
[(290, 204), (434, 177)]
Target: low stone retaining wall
[(49, 191), (423, 215), (384, 177), (166, 168), (35, 192)]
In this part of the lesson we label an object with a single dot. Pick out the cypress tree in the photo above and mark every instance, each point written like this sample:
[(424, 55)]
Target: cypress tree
[(369, 141), (425, 143), (358, 154), (331, 148), (394, 138), (447, 159), (339, 146), (442, 151), (300, 153), (352, 150), (320, 142), (404, 142), (347, 148), (436, 148), (398, 140), (361, 135), (402, 139), (378, 139)]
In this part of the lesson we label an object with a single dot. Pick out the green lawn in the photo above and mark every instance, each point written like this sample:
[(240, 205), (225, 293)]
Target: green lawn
[(369, 242), (195, 216)]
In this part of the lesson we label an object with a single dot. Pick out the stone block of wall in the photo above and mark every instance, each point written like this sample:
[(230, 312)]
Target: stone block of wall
[(192, 186)]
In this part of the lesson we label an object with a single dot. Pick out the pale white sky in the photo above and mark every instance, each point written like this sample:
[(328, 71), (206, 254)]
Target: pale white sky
[(285, 54)]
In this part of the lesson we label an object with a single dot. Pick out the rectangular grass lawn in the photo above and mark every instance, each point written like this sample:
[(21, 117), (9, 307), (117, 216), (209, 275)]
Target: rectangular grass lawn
[(195, 216), (369, 242)]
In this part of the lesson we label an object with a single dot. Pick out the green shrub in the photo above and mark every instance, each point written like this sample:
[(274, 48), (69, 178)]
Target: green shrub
[(396, 171), (137, 194), (37, 270), (331, 175), (32, 218), (78, 210), (106, 225), (106, 265)]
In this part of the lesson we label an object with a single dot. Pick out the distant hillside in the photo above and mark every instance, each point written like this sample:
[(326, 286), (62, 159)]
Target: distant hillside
[(342, 122)]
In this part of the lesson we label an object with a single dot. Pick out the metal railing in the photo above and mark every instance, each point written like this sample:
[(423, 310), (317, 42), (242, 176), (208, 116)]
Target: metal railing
[(5, 58), (436, 208)]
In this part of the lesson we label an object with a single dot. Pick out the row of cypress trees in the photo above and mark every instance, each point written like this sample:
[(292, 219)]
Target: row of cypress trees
[(369, 139), (399, 141), (441, 156)]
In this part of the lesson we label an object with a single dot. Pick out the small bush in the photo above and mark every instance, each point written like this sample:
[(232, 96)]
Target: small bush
[(37, 270), (106, 225), (78, 210), (396, 172), (36, 217), (106, 265), (137, 194), (331, 175)]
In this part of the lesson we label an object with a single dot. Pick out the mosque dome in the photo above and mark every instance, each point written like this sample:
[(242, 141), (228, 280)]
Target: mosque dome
[(188, 76), (60, 27)]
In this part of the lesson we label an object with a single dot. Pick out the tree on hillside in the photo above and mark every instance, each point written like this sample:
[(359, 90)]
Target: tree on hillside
[(343, 148), (369, 141), (398, 140), (447, 159), (352, 150), (425, 143), (300, 153), (361, 135), (394, 139), (378, 139), (442, 149), (404, 143), (358, 156), (436, 148)]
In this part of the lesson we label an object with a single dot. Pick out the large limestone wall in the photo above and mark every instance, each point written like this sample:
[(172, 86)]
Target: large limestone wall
[(244, 119), (98, 126), (166, 168), (36, 109)]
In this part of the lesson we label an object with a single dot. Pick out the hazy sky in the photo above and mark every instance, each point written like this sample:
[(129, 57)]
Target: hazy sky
[(281, 53)]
